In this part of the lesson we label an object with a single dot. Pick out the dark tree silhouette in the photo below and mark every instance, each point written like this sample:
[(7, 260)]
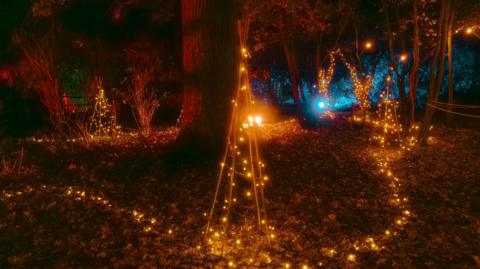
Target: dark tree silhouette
[(210, 53)]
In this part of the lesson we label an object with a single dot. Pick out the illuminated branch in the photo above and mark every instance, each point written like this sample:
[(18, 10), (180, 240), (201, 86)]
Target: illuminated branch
[(241, 168), (140, 93), (325, 77), (37, 72)]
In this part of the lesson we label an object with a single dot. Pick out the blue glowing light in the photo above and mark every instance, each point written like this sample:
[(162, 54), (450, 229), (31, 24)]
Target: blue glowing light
[(321, 104)]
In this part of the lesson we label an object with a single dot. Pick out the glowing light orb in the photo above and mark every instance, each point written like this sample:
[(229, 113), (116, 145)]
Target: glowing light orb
[(469, 31), (321, 105), (368, 45), (258, 120)]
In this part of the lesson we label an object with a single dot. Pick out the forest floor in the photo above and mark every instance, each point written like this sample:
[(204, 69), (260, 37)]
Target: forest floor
[(120, 206)]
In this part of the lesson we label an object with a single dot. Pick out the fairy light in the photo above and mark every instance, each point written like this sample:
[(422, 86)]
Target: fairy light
[(145, 223), (351, 257), (103, 122), (325, 76), (361, 84), (245, 175), (404, 57)]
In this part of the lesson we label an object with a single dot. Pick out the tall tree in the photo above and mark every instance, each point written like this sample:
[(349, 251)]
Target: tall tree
[(280, 21), (210, 53), (399, 63), (437, 67), (414, 71), (37, 41)]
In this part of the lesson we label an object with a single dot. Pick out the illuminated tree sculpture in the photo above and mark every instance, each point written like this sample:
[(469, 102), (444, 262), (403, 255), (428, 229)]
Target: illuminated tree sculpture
[(325, 76), (388, 129), (241, 181), (103, 122)]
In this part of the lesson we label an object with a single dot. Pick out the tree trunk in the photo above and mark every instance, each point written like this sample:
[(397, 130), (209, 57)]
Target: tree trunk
[(400, 74), (289, 51), (413, 83), (450, 70), (437, 69), (210, 53), (403, 100)]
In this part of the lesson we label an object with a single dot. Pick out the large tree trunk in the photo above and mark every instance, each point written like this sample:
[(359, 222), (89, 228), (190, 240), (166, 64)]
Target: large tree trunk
[(450, 70), (414, 78), (436, 70), (289, 51), (210, 53)]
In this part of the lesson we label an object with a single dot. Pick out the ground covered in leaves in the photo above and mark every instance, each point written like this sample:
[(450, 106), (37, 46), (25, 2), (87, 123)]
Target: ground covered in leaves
[(125, 206)]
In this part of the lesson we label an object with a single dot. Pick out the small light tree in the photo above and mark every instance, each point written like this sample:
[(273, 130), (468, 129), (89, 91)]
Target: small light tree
[(141, 95), (103, 122)]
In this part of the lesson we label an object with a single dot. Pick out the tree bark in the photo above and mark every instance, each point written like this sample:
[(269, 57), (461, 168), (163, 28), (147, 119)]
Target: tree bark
[(450, 69), (289, 51), (210, 53), (436, 70), (414, 77)]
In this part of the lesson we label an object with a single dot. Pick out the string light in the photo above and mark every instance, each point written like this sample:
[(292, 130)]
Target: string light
[(245, 172), (325, 76), (361, 84), (103, 122), (146, 224)]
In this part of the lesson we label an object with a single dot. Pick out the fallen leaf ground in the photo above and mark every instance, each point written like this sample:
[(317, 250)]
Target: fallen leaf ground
[(128, 209)]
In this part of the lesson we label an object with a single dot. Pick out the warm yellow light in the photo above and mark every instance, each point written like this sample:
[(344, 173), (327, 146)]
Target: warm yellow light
[(258, 120), (469, 31), (250, 120), (351, 257), (368, 45), (248, 194), (404, 57)]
